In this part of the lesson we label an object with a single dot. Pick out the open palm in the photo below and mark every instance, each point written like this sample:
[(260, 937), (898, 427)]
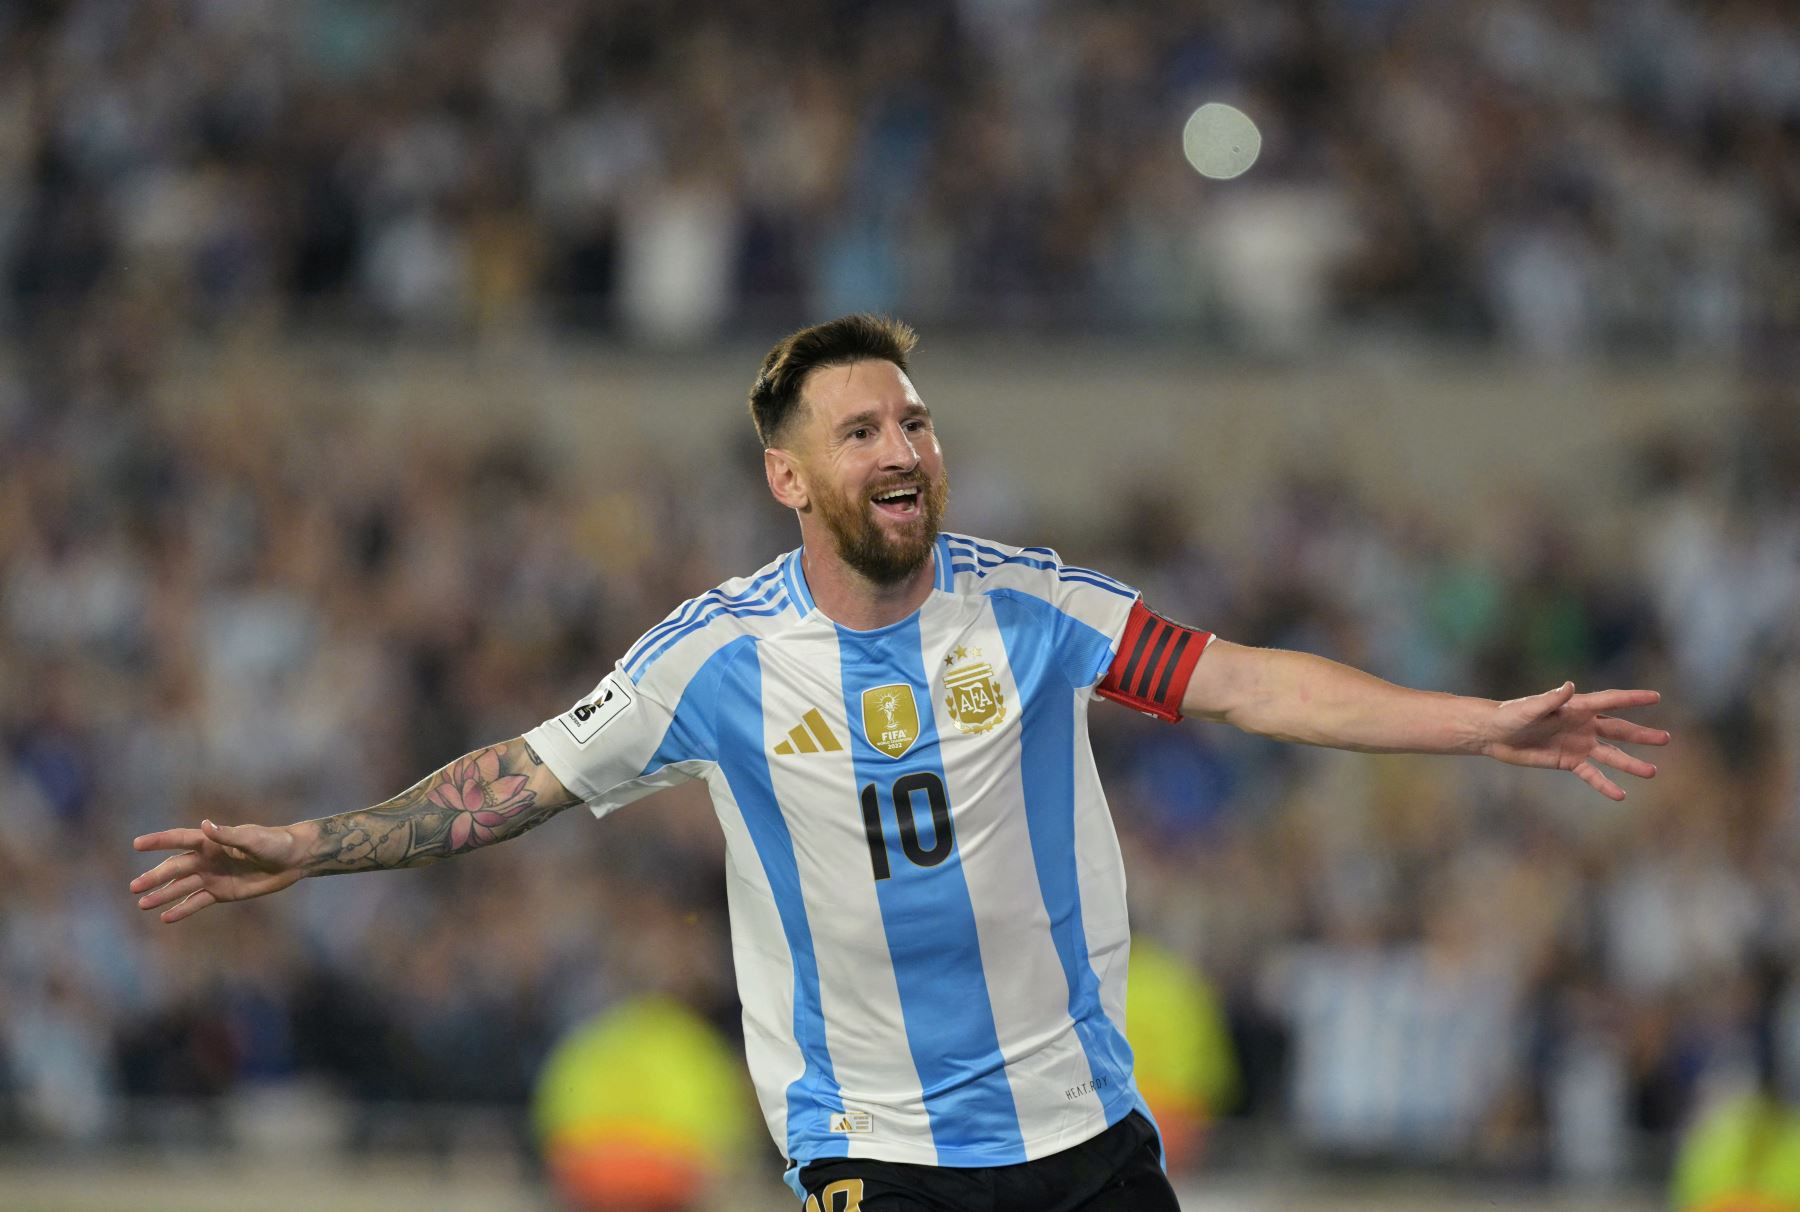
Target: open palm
[(1562, 730), (217, 863)]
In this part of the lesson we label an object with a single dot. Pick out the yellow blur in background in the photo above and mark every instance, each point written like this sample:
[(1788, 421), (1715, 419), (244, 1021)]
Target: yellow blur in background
[(643, 1109)]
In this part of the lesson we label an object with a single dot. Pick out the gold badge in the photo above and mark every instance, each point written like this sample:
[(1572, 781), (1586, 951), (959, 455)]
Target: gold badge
[(972, 694), (891, 718)]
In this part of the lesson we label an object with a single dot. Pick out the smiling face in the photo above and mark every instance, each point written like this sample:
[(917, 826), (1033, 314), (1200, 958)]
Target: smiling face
[(864, 464)]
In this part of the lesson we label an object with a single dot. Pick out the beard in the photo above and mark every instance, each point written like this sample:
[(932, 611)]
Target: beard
[(866, 546)]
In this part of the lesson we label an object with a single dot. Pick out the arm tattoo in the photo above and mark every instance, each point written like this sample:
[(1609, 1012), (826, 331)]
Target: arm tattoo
[(476, 800)]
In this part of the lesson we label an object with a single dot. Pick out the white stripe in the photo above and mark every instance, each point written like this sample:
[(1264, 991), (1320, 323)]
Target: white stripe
[(667, 676), (697, 605), (1027, 990), (765, 966), (861, 1000), (1103, 610), (1100, 874)]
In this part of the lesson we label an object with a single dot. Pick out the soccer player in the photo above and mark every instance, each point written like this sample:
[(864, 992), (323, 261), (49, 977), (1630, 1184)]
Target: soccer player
[(926, 896)]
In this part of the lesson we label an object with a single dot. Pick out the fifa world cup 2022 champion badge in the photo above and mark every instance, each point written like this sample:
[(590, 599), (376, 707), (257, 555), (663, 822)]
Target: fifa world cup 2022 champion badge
[(972, 694), (890, 718)]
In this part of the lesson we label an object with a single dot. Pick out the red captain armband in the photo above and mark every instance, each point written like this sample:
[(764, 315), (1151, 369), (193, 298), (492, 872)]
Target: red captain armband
[(1156, 659)]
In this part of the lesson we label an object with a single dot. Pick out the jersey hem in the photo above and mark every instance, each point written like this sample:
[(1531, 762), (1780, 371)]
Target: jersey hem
[(974, 1158)]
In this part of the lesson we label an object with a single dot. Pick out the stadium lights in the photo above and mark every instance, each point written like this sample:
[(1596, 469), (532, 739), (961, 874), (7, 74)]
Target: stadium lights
[(1220, 141)]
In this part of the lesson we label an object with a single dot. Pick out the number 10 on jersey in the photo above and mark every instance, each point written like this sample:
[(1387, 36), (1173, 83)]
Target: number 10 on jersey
[(903, 793)]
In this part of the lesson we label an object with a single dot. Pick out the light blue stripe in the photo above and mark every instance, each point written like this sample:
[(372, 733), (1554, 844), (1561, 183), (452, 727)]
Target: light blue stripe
[(770, 603), (1028, 630), (1099, 578), (1121, 586), (692, 607), (930, 925), (728, 688), (681, 614), (994, 553), (991, 557), (1107, 584), (1027, 556), (751, 611), (966, 567), (1064, 571), (797, 586), (945, 580), (1051, 555), (687, 610)]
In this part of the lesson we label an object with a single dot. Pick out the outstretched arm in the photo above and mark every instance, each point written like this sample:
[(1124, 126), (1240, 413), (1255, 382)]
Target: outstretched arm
[(484, 797), (1294, 696)]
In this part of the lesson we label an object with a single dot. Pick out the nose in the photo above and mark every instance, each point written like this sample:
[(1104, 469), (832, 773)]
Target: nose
[(897, 450)]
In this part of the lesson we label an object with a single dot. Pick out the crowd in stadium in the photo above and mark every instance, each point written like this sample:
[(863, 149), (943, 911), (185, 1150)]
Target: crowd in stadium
[(1613, 174), (1421, 960)]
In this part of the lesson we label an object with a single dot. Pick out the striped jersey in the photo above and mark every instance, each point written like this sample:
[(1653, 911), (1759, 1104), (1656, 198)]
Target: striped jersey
[(927, 899)]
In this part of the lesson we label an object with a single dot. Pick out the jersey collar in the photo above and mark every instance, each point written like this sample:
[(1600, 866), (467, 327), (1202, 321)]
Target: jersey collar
[(794, 575)]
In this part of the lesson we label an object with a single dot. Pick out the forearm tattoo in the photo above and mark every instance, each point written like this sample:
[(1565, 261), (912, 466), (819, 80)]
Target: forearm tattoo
[(476, 800)]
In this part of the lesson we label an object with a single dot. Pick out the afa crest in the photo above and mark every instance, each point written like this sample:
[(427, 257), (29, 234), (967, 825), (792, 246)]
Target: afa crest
[(891, 718), (972, 694)]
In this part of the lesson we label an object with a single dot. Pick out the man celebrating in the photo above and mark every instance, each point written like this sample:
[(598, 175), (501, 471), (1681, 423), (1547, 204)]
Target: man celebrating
[(927, 898)]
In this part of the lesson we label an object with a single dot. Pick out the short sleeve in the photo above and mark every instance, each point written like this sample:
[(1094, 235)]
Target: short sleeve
[(1085, 611), (610, 748), (1092, 611)]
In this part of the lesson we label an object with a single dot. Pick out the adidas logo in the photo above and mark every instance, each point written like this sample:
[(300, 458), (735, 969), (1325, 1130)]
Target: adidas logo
[(801, 740)]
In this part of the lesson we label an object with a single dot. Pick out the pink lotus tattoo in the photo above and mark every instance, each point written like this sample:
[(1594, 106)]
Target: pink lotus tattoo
[(480, 798)]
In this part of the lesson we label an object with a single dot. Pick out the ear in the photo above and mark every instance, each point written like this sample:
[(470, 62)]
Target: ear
[(787, 483)]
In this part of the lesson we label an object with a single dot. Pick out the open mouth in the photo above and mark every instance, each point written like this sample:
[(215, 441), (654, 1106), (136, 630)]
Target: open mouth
[(900, 502)]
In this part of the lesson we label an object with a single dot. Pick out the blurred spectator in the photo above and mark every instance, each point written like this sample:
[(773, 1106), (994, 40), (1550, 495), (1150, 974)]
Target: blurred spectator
[(278, 608), (1414, 960), (1400, 1051), (643, 1109), (1181, 1050), (1743, 1154), (1562, 178)]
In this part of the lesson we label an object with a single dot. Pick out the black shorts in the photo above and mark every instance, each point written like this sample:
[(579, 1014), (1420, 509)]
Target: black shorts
[(1118, 1171)]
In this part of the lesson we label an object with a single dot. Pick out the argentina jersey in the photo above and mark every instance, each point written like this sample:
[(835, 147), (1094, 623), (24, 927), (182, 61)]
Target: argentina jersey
[(927, 898)]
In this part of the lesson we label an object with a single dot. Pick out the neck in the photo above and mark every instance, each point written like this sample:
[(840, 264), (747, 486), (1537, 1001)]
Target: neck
[(847, 597)]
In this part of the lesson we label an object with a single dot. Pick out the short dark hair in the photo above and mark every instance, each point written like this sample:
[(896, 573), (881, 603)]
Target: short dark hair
[(858, 338)]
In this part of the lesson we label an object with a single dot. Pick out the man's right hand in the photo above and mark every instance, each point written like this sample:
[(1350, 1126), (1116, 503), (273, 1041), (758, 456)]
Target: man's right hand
[(217, 863)]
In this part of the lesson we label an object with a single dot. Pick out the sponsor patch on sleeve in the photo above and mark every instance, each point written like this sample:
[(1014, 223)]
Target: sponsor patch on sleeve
[(611, 697)]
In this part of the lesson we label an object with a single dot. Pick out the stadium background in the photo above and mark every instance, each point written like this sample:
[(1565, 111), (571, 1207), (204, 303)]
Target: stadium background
[(371, 376)]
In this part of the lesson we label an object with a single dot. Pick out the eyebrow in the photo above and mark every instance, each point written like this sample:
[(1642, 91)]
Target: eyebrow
[(872, 417)]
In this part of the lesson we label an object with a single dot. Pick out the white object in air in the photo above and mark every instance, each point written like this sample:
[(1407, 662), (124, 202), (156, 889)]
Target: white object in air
[(1220, 141)]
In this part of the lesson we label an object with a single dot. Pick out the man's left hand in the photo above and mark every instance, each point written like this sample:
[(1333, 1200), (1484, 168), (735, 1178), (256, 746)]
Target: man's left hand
[(1562, 730)]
